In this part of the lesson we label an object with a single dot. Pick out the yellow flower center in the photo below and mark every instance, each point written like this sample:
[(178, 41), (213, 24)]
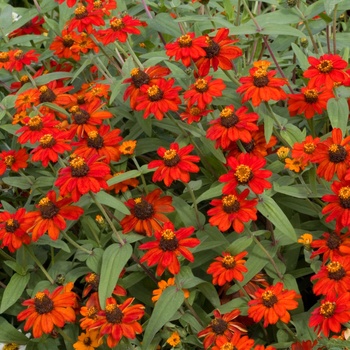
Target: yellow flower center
[(138, 200), (35, 121), (19, 54), (344, 192), (227, 346), (43, 89), (117, 24), (75, 109), (46, 139), (311, 95), (91, 278), (195, 111), (99, 219), (10, 222), (309, 148), (226, 113), (229, 200), (260, 78), (39, 296), (185, 41), (153, 91), (134, 71), (325, 66), (243, 174), (282, 152), (229, 261), (269, 298), (91, 312), (201, 85), (77, 163), (80, 11), (168, 234), (4, 57), (93, 135), (260, 73), (327, 309), (11, 346), (9, 160), (44, 202), (334, 266), (24, 79), (128, 147), (111, 307), (170, 154)]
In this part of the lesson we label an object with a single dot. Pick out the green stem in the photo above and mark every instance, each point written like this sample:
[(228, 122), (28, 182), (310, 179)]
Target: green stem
[(194, 201), (242, 289), (141, 174), (238, 13), (302, 17), (288, 330), (334, 29), (41, 267), (134, 56), (194, 313), (75, 244), (64, 335), (110, 223), (6, 256)]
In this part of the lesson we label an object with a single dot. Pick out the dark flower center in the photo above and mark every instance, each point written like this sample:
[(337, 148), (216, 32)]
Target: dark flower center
[(79, 167), (344, 197), (80, 12), (11, 346), (333, 242), (35, 123), (42, 303), (154, 93), (260, 78), (67, 41), (269, 299), (337, 153), (11, 225), (47, 141), (311, 96), (113, 314), (325, 66), (185, 41), (87, 341), (249, 147), (93, 281), (4, 57), (201, 85), (117, 24), (168, 242), (327, 309), (171, 158), (139, 77), (230, 204), (335, 270), (212, 50), (9, 160), (46, 95), (309, 148), (143, 210), (80, 116), (47, 209), (95, 140), (243, 174), (227, 118), (228, 262), (219, 326)]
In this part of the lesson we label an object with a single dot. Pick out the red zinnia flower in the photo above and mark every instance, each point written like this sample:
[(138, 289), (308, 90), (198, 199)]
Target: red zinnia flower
[(47, 310), (139, 78), (194, 114), (27, 99), (13, 160), (96, 91), (19, 59), (333, 156), (327, 70), (49, 149), (51, 216), (57, 95), (34, 26), (82, 176), (333, 278), (309, 101), (332, 245), (175, 165), (272, 304), (331, 314), (119, 29), (261, 85), (119, 321), (61, 45), (158, 98), (303, 345), (232, 210), (235, 343), (339, 206), (13, 229), (219, 53), (222, 327), (203, 90), (147, 213), (102, 142), (168, 246), (246, 170), (228, 268), (232, 126), (5, 60), (305, 149), (187, 47)]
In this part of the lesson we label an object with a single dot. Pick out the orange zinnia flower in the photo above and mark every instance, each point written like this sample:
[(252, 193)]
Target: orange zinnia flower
[(232, 211), (272, 304), (237, 342), (51, 216), (187, 48), (57, 95), (146, 213), (227, 268), (232, 126), (158, 98), (139, 78), (13, 160), (309, 102), (222, 327), (13, 229), (164, 285), (47, 310), (119, 321), (5, 60), (19, 59), (89, 340), (219, 53), (246, 170), (82, 176), (305, 149), (122, 186), (327, 70), (119, 30), (203, 91), (176, 164), (333, 278), (333, 156), (331, 314), (194, 114), (169, 244), (261, 85), (27, 99), (61, 45), (102, 142)]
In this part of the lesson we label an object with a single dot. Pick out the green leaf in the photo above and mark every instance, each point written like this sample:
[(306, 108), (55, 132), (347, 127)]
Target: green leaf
[(46, 240), (302, 59), (209, 291), (281, 29), (165, 308), (213, 192), (20, 182), (113, 202), (94, 261), (329, 5), (114, 259), (338, 113), (272, 212), (47, 78), (9, 334), (131, 174), (292, 134), (164, 24), (14, 290)]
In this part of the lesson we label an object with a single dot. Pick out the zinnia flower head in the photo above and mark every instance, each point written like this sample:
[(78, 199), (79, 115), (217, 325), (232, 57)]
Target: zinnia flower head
[(89, 340), (162, 284)]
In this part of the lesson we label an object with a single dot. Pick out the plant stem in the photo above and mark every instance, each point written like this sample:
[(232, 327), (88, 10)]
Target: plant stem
[(194, 313), (75, 244), (6, 256), (141, 174), (41, 267), (134, 56), (194, 201), (334, 29), (144, 268)]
